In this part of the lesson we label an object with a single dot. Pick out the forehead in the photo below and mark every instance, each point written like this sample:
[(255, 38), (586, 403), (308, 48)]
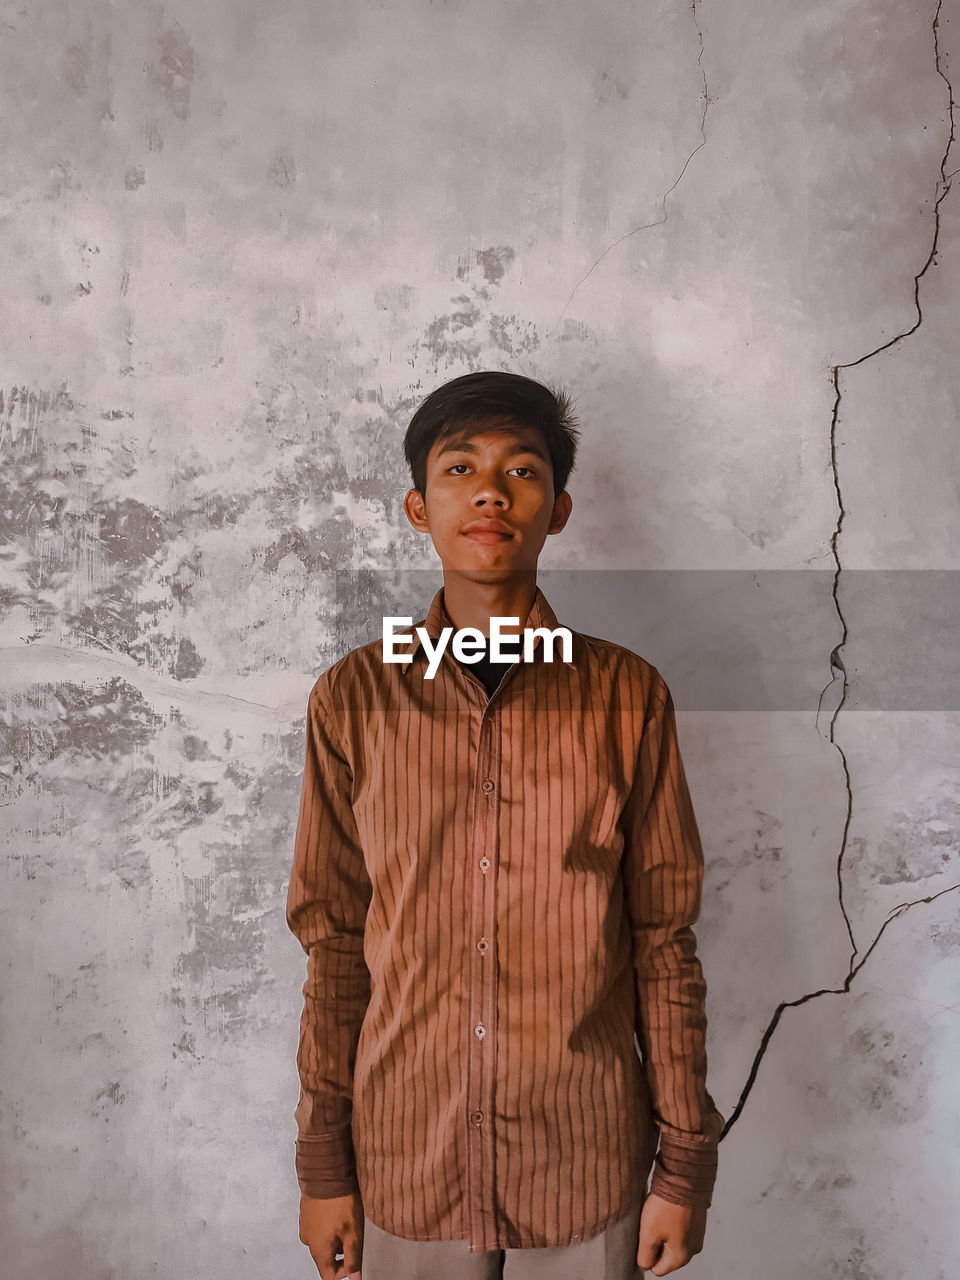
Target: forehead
[(504, 436)]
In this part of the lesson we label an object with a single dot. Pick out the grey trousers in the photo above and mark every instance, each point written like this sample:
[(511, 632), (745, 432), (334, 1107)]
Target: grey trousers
[(612, 1255)]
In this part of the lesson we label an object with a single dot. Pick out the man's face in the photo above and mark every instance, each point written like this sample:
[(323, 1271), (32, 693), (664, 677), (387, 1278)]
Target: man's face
[(489, 501)]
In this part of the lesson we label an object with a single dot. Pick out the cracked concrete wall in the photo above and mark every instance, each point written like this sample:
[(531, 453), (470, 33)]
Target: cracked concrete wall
[(237, 245)]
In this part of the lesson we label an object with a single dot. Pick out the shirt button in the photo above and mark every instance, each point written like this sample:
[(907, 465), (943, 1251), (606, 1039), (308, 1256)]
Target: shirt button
[(482, 944), (477, 1117), (486, 785), (484, 864), (480, 1030)]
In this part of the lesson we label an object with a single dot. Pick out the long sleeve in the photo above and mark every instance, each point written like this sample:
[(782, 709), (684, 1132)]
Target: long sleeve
[(663, 876), (327, 901)]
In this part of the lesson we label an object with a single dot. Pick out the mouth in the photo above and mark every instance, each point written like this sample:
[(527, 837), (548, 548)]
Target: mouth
[(490, 533), (487, 535)]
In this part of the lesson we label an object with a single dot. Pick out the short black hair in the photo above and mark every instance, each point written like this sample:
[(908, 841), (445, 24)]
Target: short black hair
[(482, 399)]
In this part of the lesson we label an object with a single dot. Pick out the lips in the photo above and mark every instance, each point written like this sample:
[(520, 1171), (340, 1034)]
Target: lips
[(489, 531)]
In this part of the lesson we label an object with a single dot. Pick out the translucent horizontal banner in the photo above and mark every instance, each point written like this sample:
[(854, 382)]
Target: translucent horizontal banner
[(731, 639)]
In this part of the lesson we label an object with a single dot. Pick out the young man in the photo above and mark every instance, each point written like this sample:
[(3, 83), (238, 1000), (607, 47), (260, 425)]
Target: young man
[(495, 876)]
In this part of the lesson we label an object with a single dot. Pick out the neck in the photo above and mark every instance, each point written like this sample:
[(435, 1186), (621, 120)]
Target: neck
[(473, 604)]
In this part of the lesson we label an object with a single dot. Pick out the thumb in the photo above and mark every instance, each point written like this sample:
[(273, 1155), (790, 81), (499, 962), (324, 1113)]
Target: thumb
[(670, 1260), (352, 1255), (649, 1252)]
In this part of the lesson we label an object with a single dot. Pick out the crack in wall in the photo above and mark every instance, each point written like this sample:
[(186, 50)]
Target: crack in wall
[(836, 661), (824, 991), (658, 222)]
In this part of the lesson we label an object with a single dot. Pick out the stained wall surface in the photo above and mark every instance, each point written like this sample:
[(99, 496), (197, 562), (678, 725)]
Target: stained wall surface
[(238, 242)]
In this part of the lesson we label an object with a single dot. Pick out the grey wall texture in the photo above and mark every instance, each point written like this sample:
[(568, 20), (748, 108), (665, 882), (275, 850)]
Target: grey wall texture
[(239, 242)]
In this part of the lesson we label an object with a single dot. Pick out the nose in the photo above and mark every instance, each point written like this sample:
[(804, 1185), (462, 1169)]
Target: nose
[(491, 490)]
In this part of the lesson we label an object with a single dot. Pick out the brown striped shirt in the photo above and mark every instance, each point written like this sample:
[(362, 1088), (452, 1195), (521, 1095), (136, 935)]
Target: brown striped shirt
[(494, 894)]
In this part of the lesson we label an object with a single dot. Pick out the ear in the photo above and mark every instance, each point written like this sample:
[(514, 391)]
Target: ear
[(561, 512), (416, 509)]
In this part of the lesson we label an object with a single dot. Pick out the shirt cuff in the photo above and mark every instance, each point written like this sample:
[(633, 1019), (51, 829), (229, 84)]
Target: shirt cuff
[(326, 1166), (685, 1168)]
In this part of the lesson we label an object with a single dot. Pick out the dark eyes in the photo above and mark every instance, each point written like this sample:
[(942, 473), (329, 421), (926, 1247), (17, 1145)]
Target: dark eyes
[(528, 470)]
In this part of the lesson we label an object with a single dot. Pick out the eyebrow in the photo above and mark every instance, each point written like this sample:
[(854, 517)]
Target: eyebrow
[(454, 445)]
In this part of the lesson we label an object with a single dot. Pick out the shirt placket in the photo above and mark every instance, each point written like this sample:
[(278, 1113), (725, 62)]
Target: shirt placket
[(482, 1052)]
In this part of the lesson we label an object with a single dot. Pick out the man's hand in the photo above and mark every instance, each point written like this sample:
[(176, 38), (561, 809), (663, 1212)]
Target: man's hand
[(328, 1227), (670, 1234)]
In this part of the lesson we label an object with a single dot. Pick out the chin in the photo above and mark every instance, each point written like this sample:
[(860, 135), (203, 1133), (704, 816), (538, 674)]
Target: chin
[(491, 573)]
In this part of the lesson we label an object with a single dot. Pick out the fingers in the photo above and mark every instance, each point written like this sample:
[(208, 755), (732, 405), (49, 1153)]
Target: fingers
[(669, 1235), (332, 1229), (328, 1268), (670, 1258), (648, 1251), (352, 1253), (332, 1265)]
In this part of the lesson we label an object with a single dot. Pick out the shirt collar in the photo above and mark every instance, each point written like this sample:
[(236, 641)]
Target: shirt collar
[(541, 615)]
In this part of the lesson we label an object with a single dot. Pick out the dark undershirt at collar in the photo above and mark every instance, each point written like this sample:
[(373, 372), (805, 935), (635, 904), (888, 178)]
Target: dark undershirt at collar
[(488, 673)]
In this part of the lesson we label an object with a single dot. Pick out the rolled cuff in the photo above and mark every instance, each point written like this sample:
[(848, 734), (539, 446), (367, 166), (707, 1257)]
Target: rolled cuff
[(685, 1167), (326, 1165)]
